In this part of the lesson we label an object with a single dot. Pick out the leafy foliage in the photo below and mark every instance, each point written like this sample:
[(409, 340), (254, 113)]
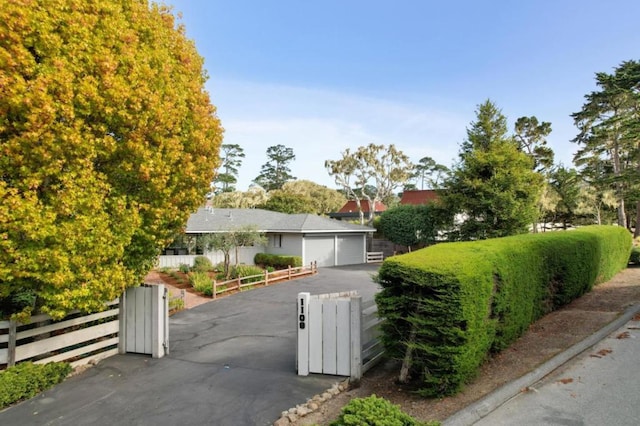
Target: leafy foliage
[(276, 172), (249, 199), (381, 168), (201, 282), (108, 140), (375, 411), (494, 186), (448, 305), (201, 264), (26, 380), (409, 225), (320, 199), (231, 159), (429, 172), (531, 137), (609, 137), (277, 261), (231, 240), (283, 202)]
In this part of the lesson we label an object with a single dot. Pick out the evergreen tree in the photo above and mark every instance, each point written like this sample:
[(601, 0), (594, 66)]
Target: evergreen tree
[(231, 160), (493, 187), (276, 171)]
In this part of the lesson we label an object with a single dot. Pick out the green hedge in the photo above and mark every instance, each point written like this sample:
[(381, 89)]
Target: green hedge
[(453, 303), (277, 261), (26, 380)]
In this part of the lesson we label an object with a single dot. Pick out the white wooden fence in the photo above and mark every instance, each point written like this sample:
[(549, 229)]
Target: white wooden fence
[(81, 339), (375, 256), (337, 334)]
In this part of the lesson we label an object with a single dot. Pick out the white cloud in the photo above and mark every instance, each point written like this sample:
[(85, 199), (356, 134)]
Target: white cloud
[(319, 125)]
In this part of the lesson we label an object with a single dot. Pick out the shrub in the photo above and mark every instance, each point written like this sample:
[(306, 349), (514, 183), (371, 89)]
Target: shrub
[(242, 271), (375, 411), (277, 261), (201, 282), (634, 257), (202, 264), (26, 380), (184, 268), (448, 305)]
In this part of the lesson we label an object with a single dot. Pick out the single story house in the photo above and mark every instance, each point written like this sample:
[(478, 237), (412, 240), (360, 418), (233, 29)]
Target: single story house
[(317, 239)]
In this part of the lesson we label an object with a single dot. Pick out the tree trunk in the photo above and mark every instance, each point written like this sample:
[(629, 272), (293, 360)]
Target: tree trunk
[(636, 232), (408, 356)]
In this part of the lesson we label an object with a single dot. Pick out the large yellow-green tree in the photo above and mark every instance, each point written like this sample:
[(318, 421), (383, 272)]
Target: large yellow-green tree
[(108, 141)]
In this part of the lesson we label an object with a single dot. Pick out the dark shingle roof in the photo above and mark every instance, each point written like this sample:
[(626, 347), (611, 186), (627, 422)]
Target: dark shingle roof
[(208, 219)]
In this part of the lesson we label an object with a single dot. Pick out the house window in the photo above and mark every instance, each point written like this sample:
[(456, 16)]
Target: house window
[(276, 240)]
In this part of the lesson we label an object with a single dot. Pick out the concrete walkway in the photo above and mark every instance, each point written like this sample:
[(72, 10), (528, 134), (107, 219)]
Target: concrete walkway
[(231, 362)]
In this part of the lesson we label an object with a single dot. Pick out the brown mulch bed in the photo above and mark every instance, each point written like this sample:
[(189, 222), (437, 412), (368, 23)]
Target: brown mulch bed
[(545, 338)]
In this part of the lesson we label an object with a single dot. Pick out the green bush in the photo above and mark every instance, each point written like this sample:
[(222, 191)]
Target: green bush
[(242, 271), (201, 282), (451, 304), (634, 257), (277, 261), (184, 268), (26, 380), (375, 411), (202, 264)]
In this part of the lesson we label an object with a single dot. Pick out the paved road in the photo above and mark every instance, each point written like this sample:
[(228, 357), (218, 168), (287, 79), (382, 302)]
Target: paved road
[(600, 387), (231, 362)]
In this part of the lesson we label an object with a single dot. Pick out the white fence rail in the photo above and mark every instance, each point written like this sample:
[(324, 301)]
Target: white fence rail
[(337, 334), (375, 256), (81, 339), (76, 339)]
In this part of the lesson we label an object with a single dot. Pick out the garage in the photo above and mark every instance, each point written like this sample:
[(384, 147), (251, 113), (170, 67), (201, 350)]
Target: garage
[(350, 250), (320, 249)]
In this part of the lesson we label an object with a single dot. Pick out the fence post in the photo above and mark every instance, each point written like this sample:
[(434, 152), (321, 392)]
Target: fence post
[(266, 278), (356, 343), (214, 289), (302, 354), (122, 322), (239, 282), (289, 271), (11, 356)]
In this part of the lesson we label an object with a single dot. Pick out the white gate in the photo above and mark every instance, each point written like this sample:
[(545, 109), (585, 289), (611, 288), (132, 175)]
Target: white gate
[(331, 330), (144, 320)]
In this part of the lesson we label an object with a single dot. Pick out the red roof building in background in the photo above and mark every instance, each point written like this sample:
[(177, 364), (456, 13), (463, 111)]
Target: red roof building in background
[(350, 210), (352, 207), (419, 197)]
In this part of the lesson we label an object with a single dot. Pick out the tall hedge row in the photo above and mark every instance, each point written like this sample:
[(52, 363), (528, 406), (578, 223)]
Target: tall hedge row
[(449, 305)]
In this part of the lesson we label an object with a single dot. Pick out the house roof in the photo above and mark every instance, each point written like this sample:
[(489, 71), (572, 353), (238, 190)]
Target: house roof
[(211, 220), (352, 207), (419, 196)]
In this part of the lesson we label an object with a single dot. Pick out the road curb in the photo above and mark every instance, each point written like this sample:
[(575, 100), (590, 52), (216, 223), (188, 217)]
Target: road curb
[(479, 409)]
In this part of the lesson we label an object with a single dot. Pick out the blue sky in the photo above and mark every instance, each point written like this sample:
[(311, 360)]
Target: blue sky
[(321, 77)]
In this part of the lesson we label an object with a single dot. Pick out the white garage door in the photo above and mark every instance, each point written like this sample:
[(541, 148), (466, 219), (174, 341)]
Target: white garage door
[(320, 250), (350, 250)]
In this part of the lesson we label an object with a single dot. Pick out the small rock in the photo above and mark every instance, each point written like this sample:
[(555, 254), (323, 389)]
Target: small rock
[(326, 396), (292, 417), (313, 406), (291, 411), (282, 421), (317, 399), (334, 391), (303, 411)]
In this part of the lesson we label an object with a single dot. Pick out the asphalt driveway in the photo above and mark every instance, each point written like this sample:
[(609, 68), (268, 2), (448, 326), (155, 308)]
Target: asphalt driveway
[(231, 362)]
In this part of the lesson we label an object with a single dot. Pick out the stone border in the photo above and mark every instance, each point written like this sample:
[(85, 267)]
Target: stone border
[(292, 415)]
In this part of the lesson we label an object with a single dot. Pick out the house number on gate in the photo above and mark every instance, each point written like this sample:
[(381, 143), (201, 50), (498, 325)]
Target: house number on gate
[(301, 317)]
